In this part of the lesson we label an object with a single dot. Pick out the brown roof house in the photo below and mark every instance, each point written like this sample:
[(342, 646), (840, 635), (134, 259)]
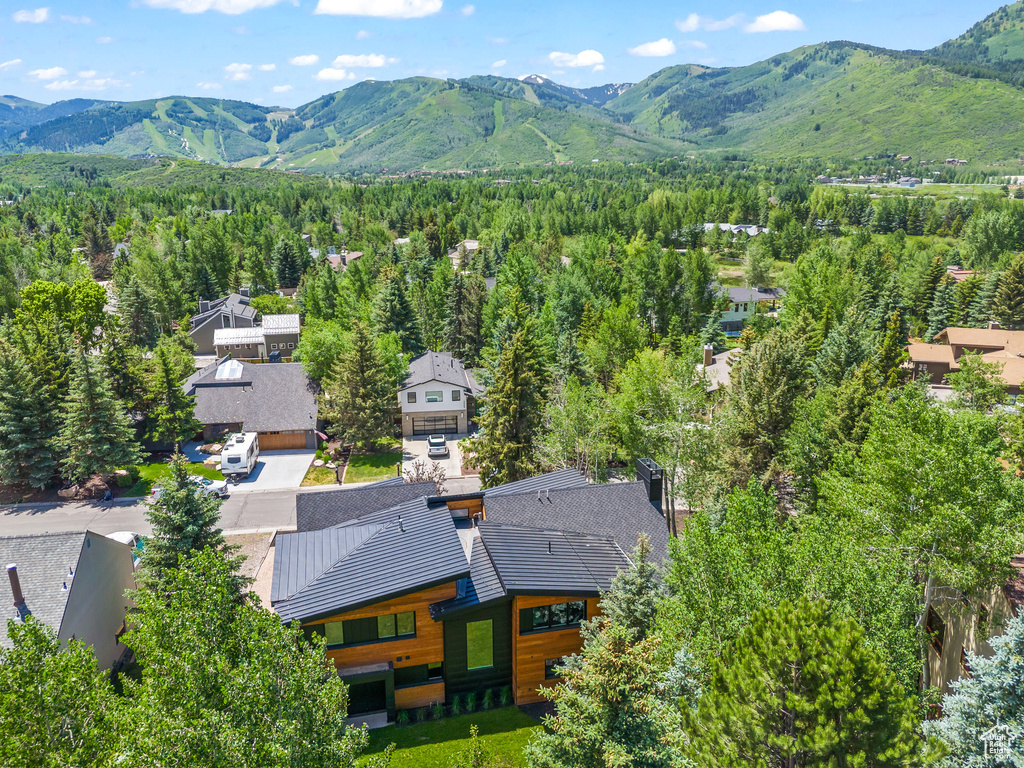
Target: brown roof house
[(933, 362)]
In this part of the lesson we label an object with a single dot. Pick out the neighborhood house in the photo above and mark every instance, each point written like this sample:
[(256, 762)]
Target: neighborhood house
[(276, 336), (438, 396), (932, 362), (231, 311), (743, 303)]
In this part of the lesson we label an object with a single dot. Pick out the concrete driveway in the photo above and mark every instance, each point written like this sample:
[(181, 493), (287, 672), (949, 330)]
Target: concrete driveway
[(416, 448), (276, 470)]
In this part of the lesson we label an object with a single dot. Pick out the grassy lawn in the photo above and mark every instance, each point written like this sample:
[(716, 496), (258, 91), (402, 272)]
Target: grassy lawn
[(150, 474), (503, 733), (370, 467), (319, 476)]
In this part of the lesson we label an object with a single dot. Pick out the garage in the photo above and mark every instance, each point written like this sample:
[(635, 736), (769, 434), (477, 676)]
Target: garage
[(432, 425), (283, 440)]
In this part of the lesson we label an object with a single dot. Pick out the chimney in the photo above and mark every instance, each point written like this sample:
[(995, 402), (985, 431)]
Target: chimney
[(243, 292), (993, 325), (649, 471), (12, 574), (204, 306), (709, 355)]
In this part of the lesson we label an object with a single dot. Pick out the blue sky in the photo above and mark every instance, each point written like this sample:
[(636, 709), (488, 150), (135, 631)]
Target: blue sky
[(288, 52)]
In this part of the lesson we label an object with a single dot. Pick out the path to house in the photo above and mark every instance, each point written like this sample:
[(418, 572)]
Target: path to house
[(241, 513)]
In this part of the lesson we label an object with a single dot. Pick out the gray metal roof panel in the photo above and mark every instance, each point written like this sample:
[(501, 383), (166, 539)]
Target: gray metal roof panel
[(43, 561), (316, 510), (482, 586), (416, 546)]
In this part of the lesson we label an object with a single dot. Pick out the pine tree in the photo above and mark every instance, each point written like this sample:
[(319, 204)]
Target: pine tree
[(287, 265), (96, 435), (929, 282), (712, 332), (983, 308), (632, 601), (360, 396), (454, 334), (27, 424), (892, 352), (473, 318), (1009, 304), (940, 316), (801, 687), (137, 315), (184, 521), (172, 417), (846, 347), (392, 312)]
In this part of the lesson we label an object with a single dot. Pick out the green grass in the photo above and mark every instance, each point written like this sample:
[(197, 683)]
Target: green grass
[(319, 476), (368, 468), (503, 733), (150, 474)]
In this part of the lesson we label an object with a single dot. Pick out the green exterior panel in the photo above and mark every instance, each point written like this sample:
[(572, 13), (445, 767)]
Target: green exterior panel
[(458, 678)]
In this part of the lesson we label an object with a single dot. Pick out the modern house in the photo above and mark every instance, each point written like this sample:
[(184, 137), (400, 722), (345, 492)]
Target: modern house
[(72, 582), (933, 362), (435, 597), (277, 401), (438, 396), (228, 312), (275, 333), (743, 303)]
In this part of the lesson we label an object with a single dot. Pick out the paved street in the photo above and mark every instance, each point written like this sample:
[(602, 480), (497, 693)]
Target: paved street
[(254, 510)]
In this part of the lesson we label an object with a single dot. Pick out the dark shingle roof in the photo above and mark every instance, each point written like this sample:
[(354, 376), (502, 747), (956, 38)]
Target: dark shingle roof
[(43, 561), (546, 561), (617, 510), (316, 510), (482, 586), (754, 294), (403, 549), (439, 366), (267, 397), (234, 303), (562, 479)]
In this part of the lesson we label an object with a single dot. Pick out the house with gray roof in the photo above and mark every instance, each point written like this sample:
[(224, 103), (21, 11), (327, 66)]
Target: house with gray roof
[(275, 400), (438, 396), (276, 336), (72, 582), (743, 303), (435, 597), (231, 311)]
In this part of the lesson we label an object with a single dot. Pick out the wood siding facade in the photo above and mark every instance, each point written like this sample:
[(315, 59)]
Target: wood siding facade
[(530, 651), (417, 696)]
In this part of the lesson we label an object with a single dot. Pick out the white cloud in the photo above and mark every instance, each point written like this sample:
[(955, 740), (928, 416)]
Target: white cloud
[(362, 34), (88, 84), (663, 47), (776, 21), (390, 9), (282, 88), (208, 86), (76, 19), (267, 67), (363, 60), (693, 44), (104, 40), (304, 61), (48, 74), (10, 64), (202, 6), (499, 64), (236, 71), (587, 58), (38, 16), (331, 73), (87, 73), (693, 22), (468, 10)]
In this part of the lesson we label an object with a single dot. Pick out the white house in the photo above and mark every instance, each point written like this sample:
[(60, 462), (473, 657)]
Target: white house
[(471, 246), (743, 303), (438, 396)]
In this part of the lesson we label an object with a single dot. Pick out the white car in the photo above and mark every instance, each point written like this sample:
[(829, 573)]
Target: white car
[(134, 540), (436, 446), (217, 488)]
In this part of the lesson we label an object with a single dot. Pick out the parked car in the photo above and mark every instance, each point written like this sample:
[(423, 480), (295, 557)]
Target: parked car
[(436, 446), (134, 540), (217, 488)]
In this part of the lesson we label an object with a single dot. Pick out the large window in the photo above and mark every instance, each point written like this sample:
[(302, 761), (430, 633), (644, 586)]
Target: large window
[(551, 667), (559, 616), (435, 397), (479, 644), (390, 626)]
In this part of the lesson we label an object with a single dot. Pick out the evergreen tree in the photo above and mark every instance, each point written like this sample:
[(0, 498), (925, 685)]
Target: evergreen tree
[(473, 318), (287, 264), (926, 288), (893, 352), (27, 424), (96, 435), (137, 314), (184, 521), (800, 687), (712, 332), (1009, 304), (757, 265), (454, 334), (990, 697), (983, 308), (846, 347), (392, 312), (172, 416), (943, 308), (359, 399), (632, 601)]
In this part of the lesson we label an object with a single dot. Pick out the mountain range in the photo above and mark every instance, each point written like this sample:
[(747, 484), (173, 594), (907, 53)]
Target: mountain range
[(962, 99)]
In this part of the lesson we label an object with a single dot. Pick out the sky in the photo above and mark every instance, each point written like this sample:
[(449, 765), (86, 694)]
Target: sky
[(289, 52)]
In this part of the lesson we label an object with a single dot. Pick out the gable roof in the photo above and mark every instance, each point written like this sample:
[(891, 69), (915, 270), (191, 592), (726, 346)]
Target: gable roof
[(740, 295), (265, 397), (439, 366), (619, 511), (482, 586), (43, 561), (404, 549), (275, 324), (235, 304), (316, 510), (246, 334)]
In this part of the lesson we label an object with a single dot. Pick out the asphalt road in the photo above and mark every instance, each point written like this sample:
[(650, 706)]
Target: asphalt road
[(241, 512)]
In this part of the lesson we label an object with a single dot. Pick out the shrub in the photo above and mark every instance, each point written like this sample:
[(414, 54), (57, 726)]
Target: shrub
[(471, 702), (320, 455), (438, 711), (323, 445), (506, 696), (402, 718), (456, 706), (488, 699), (421, 714)]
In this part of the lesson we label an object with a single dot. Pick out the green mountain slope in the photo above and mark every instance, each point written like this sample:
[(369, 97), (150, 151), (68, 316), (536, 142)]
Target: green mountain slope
[(16, 113), (995, 42)]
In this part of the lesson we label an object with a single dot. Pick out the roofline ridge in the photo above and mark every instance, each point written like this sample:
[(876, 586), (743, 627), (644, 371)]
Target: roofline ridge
[(336, 563), (490, 558), (44, 534)]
